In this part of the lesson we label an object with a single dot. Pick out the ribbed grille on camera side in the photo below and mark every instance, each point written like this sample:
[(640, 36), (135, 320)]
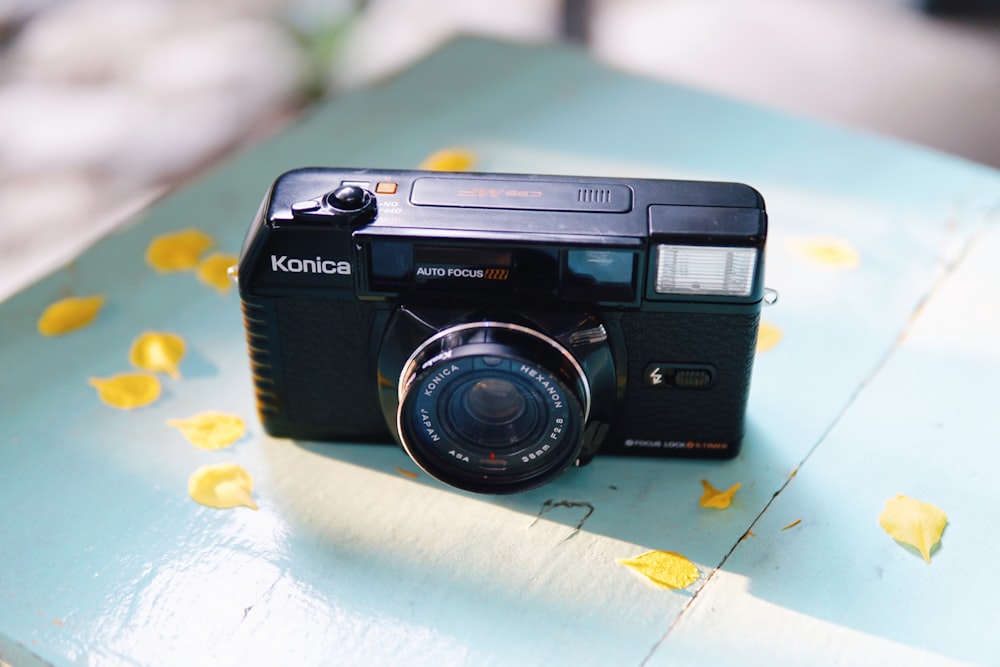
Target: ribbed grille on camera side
[(261, 364), (593, 195)]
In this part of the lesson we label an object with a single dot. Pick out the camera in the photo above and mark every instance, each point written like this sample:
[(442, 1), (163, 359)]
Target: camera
[(502, 327)]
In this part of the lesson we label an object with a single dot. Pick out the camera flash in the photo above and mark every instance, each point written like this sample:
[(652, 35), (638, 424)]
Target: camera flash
[(715, 270)]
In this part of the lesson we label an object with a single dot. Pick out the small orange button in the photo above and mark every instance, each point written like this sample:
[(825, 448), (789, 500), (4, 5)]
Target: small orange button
[(385, 188)]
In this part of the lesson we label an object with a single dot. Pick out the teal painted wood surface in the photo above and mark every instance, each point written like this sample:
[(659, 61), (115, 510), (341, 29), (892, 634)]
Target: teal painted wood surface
[(882, 383)]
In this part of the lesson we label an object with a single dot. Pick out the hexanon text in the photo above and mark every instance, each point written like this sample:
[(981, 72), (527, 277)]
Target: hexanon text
[(544, 382)]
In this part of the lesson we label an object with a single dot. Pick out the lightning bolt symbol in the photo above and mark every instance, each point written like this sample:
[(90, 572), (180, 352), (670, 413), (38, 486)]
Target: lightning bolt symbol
[(656, 376)]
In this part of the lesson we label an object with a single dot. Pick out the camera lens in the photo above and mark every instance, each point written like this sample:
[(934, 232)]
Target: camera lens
[(492, 407)]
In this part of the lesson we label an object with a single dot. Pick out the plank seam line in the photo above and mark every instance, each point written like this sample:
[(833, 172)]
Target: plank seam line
[(948, 268)]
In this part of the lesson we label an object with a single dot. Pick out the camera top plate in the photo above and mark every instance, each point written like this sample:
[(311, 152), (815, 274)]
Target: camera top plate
[(393, 234)]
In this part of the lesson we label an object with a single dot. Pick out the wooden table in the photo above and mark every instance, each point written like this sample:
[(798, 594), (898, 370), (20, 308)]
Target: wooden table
[(884, 382)]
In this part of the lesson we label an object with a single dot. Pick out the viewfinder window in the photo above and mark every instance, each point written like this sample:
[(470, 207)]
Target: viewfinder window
[(599, 275)]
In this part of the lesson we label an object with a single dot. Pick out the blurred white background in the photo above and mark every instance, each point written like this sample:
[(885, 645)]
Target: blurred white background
[(104, 104)]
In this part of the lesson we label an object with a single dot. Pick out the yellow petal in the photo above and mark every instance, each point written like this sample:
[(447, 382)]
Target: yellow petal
[(664, 568), (913, 522), (222, 485), (210, 430), (177, 251), (768, 336), (712, 497), (127, 390), (827, 251), (69, 314), (158, 352), (214, 271), (449, 159)]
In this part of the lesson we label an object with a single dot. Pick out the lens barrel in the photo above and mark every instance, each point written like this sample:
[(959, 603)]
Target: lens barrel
[(492, 407)]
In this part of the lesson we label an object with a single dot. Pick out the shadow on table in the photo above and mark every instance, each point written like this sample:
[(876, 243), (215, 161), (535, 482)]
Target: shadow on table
[(637, 500)]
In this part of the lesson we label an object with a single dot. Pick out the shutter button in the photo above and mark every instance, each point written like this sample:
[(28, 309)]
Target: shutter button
[(348, 198)]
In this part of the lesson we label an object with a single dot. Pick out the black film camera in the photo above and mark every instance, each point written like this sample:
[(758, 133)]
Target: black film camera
[(503, 327)]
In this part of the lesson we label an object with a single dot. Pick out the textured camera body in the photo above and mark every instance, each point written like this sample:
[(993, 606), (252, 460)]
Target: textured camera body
[(650, 289)]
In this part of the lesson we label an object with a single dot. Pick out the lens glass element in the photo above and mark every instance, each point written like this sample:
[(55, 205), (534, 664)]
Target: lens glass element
[(494, 401), (492, 412)]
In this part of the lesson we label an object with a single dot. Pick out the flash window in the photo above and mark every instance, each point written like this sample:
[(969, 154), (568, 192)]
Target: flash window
[(704, 270)]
